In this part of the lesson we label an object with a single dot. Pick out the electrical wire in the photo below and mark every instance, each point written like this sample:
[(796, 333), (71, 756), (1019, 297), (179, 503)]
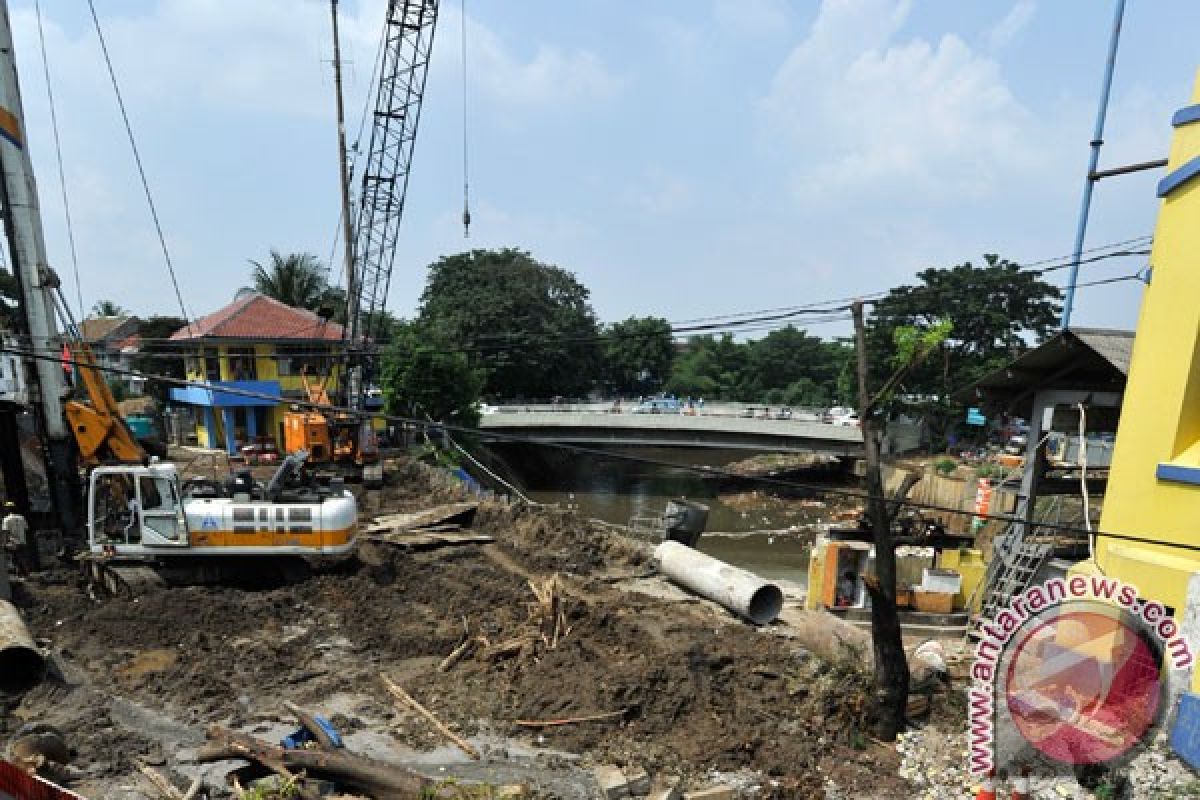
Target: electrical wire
[(497, 436), (62, 177), (466, 215), (137, 157)]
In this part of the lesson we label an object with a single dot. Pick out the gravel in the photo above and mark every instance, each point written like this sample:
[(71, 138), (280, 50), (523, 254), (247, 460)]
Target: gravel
[(934, 762)]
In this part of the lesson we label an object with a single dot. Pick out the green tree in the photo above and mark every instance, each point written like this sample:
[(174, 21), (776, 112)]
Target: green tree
[(528, 325), (710, 367), (299, 280), (991, 311), (638, 353), (158, 356), (422, 377), (107, 308)]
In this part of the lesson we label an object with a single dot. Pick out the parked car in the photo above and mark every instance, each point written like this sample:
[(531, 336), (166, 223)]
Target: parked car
[(840, 415), (261, 451), (658, 405)]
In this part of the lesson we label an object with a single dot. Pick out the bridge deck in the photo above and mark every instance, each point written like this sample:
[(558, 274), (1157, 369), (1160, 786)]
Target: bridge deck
[(678, 430)]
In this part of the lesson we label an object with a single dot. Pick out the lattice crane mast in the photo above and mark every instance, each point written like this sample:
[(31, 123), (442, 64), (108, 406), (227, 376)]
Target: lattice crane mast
[(383, 185)]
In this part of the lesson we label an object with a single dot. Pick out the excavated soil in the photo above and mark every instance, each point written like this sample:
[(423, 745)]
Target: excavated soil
[(698, 691)]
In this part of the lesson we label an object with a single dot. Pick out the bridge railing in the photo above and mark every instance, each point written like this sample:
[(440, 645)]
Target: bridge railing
[(742, 410)]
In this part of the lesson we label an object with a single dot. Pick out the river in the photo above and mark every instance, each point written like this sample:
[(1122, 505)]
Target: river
[(751, 528)]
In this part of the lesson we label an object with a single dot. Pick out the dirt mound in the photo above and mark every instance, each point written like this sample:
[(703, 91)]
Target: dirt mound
[(696, 691)]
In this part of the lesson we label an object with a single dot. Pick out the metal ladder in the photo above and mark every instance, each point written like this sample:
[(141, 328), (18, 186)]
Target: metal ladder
[(1010, 572)]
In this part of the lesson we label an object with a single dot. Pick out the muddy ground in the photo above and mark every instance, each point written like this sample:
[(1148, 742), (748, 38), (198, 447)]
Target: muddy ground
[(699, 692)]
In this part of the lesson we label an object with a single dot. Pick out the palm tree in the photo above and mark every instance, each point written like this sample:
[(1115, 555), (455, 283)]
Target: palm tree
[(295, 279), (107, 308)]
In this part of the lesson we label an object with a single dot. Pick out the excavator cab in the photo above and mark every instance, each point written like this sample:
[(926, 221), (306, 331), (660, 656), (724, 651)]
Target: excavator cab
[(134, 510)]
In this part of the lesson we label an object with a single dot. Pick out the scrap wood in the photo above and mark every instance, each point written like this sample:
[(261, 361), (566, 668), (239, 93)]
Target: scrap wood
[(362, 774), (507, 648), (418, 539), (194, 789), (550, 723), (407, 699), (457, 654), (160, 782), (462, 514)]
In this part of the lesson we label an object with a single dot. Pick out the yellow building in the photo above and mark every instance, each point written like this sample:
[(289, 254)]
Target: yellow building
[(260, 349), (1152, 508)]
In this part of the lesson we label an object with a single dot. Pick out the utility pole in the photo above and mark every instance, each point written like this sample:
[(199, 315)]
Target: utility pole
[(352, 322), (1093, 162), (891, 666), (37, 283)]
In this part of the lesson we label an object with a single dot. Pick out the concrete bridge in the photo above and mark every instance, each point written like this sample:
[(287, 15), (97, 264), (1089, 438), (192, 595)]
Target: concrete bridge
[(593, 428)]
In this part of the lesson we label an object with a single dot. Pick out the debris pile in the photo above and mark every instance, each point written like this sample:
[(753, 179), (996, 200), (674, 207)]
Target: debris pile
[(526, 650)]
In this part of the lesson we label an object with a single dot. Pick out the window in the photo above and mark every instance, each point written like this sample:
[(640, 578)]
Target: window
[(212, 364), (242, 364), (159, 505), (293, 358)]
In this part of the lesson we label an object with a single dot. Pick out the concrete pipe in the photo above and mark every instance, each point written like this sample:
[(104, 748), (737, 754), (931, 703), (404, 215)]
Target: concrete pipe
[(741, 592), (21, 664)]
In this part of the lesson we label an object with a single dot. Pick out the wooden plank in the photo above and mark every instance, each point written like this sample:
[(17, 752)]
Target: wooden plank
[(461, 515), (416, 540)]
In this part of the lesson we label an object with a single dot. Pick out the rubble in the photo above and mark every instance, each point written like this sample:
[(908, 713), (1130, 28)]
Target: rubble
[(567, 669)]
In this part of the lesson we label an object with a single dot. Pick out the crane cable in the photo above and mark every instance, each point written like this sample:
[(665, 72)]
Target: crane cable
[(466, 215), (137, 158), (62, 178)]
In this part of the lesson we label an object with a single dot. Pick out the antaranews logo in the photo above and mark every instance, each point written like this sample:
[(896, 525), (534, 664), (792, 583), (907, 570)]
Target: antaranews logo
[(1071, 673)]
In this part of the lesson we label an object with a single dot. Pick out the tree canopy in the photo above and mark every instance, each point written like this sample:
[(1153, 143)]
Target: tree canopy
[(786, 367), (300, 280), (528, 325), (989, 315), (107, 308), (422, 377), (638, 354), (991, 310), (157, 356)]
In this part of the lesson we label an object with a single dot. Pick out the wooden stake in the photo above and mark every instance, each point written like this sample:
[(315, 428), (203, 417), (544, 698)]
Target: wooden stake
[(407, 699), (194, 789), (551, 723), (160, 782), (457, 654)]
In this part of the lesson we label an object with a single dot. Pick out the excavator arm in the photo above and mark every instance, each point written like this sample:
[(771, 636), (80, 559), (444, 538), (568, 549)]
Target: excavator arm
[(99, 429)]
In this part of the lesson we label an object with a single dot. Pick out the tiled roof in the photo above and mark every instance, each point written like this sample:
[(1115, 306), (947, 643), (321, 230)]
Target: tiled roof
[(256, 316), (97, 329)]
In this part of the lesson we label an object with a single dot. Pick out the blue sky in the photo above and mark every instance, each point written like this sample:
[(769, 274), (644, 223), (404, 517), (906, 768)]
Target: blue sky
[(683, 159)]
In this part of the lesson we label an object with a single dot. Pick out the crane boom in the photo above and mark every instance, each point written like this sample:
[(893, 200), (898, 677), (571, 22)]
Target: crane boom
[(408, 41)]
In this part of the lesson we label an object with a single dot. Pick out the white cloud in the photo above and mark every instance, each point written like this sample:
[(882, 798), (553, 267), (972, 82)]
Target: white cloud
[(752, 17), (661, 194), (862, 114), (1015, 21), (552, 77)]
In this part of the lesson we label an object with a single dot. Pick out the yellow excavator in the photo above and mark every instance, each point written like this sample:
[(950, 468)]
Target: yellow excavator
[(140, 525)]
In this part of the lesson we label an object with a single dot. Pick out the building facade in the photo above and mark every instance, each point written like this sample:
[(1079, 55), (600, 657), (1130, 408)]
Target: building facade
[(248, 362)]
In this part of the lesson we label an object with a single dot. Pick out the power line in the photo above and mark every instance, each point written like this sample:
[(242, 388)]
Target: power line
[(62, 177), (137, 158), (517, 439)]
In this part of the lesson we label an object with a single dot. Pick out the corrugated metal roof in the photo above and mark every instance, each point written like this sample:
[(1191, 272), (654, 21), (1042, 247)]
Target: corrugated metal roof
[(1087, 358), (1116, 347)]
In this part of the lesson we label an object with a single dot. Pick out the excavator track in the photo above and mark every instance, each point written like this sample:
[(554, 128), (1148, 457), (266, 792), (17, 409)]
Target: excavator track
[(125, 581)]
